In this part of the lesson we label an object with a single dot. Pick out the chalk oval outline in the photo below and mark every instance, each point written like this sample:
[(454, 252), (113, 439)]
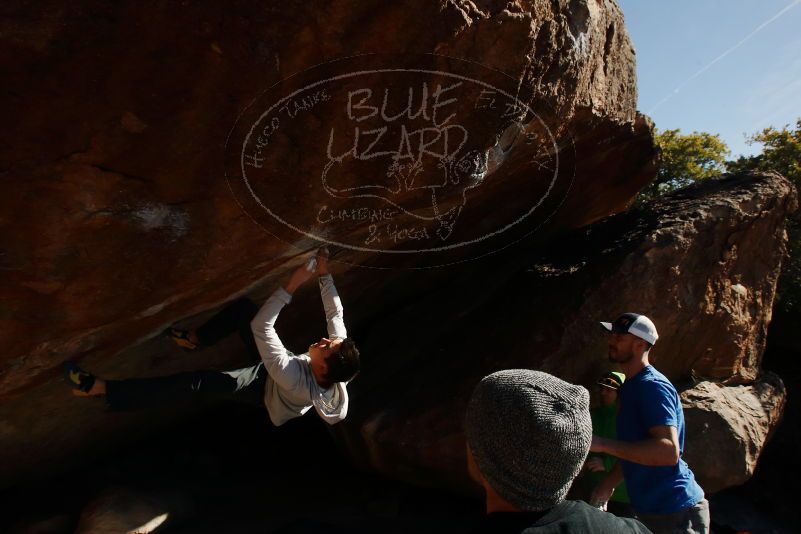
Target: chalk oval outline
[(460, 244)]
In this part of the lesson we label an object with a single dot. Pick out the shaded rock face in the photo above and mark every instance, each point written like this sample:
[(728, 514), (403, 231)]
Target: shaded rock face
[(687, 261), (727, 427), (117, 215)]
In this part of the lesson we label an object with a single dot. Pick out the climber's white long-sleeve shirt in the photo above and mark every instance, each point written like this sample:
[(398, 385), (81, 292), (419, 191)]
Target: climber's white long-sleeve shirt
[(291, 388)]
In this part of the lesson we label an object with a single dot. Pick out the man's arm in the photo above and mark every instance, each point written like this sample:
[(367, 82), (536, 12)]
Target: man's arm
[(285, 371), (662, 448), (334, 313)]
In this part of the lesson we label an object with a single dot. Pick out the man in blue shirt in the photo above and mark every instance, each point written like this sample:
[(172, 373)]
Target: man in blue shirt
[(650, 437)]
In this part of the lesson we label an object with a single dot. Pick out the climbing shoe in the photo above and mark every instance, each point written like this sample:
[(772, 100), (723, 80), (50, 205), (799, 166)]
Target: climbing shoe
[(77, 377), (181, 338)]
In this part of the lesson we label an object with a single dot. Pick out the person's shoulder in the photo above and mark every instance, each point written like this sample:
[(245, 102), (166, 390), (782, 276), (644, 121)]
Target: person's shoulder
[(506, 523), (596, 520), (565, 517), (651, 379), (658, 380), (653, 374)]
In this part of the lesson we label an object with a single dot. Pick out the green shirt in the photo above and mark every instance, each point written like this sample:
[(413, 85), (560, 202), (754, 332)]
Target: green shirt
[(604, 425)]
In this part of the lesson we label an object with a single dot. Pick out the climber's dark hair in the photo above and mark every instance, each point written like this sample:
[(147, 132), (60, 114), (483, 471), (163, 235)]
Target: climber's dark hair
[(343, 365)]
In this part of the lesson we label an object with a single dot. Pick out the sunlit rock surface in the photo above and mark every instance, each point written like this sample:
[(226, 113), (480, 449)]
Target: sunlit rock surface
[(730, 426)]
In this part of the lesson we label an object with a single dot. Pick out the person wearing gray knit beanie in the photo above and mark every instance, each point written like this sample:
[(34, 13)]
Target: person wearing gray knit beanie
[(528, 434)]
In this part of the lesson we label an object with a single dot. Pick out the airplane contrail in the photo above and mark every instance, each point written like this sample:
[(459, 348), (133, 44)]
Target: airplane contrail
[(724, 54)]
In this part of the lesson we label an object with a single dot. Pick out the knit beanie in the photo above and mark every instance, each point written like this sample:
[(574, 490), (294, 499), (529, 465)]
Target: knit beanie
[(529, 433)]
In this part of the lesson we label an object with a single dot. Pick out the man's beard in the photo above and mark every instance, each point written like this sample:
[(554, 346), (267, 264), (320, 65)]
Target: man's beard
[(617, 358)]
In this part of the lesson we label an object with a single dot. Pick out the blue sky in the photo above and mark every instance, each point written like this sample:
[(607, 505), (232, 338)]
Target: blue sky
[(679, 44)]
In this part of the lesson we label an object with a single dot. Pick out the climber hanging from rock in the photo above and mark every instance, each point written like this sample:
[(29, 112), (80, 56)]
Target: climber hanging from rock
[(288, 385)]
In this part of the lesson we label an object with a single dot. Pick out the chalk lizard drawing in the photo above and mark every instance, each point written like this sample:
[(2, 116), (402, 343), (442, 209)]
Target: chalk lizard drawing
[(452, 176)]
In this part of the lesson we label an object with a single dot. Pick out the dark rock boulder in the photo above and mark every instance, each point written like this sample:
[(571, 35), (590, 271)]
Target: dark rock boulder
[(118, 216)]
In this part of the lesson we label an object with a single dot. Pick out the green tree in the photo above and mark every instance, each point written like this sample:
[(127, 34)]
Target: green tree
[(781, 152), (685, 159)]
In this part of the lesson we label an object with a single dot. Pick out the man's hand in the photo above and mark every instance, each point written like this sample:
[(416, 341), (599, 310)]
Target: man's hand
[(602, 493), (299, 275), (322, 261), (595, 465)]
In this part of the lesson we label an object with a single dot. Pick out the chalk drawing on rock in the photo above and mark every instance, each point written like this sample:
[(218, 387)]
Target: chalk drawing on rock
[(395, 160)]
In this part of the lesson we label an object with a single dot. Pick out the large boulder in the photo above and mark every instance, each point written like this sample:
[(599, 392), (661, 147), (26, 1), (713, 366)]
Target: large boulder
[(120, 214), (728, 427), (702, 263)]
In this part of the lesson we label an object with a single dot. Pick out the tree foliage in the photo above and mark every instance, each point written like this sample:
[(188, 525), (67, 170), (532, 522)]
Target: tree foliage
[(781, 152), (685, 159)]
